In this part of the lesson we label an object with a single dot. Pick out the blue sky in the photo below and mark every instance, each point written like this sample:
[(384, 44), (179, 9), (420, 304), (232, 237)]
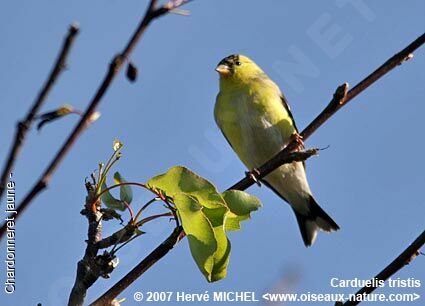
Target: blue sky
[(370, 180)]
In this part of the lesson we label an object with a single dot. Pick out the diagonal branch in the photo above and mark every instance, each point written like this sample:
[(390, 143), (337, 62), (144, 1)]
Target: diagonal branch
[(23, 126), (403, 259), (115, 66), (339, 100), (341, 97)]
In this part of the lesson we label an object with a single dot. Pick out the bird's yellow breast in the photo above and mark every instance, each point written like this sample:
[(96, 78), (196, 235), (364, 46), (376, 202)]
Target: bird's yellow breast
[(254, 121)]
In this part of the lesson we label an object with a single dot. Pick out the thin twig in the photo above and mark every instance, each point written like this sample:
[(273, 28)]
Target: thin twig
[(152, 13), (153, 217), (144, 207), (126, 232), (139, 224), (23, 126), (121, 235), (403, 259), (124, 240), (341, 97)]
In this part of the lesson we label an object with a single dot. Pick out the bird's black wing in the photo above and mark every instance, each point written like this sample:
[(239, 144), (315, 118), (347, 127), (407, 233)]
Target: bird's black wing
[(288, 109)]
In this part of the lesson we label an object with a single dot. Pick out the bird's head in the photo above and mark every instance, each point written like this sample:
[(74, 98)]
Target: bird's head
[(238, 68)]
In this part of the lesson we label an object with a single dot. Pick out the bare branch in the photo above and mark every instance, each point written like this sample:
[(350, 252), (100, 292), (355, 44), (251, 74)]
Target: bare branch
[(23, 126), (88, 269), (403, 259), (340, 98), (151, 13)]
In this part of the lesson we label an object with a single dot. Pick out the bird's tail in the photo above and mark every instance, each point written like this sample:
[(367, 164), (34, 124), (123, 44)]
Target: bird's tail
[(316, 219)]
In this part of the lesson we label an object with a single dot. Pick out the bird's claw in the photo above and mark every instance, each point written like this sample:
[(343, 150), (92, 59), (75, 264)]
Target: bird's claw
[(299, 141), (253, 175)]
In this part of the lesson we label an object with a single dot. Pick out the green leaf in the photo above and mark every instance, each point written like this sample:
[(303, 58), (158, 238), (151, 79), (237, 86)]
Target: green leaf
[(181, 180), (199, 232), (233, 222), (222, 254), (241, 204), (126, 194), (110, 201), (205, 215), (180, 183), (204, 228)]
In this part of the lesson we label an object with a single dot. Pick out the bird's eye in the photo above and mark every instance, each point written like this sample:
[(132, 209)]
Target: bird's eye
[(238, 63)]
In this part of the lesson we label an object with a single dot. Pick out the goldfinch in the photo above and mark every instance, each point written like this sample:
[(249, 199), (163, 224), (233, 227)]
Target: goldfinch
[(255, 118)]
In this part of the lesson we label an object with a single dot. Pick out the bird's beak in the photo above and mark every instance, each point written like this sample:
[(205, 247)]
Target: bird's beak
[(223, 70)]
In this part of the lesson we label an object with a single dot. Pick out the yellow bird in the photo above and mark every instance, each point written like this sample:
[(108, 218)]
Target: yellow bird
[(256, 120)]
